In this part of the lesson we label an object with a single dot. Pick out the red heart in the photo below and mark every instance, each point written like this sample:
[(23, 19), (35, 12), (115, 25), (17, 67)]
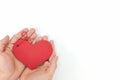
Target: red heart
[(32, 55)]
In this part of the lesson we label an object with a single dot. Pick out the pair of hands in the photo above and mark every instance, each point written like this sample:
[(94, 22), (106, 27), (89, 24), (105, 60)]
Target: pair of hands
[(12, 69)]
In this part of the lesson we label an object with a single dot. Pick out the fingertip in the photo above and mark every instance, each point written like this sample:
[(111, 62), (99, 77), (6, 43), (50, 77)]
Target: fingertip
[(6, 38), (46, 63), (51, 41), (30, 32), (45, 37), (40, 38), (32, 29), (25, 29), (22, 33)]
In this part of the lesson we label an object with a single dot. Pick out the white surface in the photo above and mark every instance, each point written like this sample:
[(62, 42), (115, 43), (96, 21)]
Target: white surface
[(86, 33)]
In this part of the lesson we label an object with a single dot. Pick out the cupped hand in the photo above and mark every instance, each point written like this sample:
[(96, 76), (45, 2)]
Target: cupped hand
[(10, 67), (45, 71)]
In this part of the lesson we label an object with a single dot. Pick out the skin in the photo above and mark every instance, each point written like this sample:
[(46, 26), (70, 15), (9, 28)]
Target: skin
[(12, 69), (45, 71)]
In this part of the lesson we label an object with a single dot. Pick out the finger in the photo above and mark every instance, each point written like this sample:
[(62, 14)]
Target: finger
[(53, 46), (40, 38), (30, 32), (18, 36), (32, 35), (32, 38), (53, 65), (27, 70), (50, 59), (44, 66), (45, 38), (52, 43), (53, 53), (3, 43)]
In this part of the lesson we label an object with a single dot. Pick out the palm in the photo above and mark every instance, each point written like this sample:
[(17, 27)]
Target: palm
[(10, 65), (37, 74)]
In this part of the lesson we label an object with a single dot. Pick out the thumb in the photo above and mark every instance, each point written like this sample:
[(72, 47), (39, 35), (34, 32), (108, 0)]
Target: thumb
[(3, 43)]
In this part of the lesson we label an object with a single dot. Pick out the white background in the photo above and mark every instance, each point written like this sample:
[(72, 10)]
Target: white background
[(86, 33)]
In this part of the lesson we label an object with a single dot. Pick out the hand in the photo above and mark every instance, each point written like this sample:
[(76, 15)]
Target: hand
[(43, 72), (10, 67)]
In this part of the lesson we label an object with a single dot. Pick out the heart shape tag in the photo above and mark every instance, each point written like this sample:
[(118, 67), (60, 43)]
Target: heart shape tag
[(32, 55)]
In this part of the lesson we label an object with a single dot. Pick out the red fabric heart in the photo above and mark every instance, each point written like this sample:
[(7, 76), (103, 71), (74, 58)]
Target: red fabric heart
[(32, 55)]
